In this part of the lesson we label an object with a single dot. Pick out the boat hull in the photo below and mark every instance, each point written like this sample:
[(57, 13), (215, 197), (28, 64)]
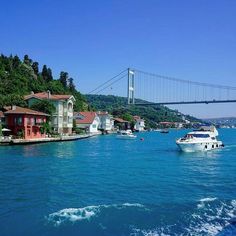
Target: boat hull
[(199, 147), (126, 137)]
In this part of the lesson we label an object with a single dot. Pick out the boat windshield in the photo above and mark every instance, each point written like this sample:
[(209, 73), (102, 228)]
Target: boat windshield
[(201, 135)]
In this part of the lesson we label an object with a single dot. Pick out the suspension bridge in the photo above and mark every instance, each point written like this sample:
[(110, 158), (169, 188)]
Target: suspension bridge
[(143, 88)]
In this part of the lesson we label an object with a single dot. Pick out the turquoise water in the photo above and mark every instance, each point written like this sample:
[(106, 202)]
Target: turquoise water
[(107, 186)]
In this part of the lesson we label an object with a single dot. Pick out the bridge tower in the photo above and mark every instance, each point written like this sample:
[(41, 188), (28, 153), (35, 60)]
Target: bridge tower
[(131, 76)]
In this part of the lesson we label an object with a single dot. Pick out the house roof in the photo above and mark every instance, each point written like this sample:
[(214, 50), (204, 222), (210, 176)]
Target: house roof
[(86, 117), (22, 110), (137, 118), (102, 113), (166, 123), (47, 95), (120, 120)]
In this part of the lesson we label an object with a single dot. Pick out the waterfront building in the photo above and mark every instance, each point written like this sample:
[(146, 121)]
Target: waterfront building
[(62, 118), (139, 123), (88, 121), (25, 123), (106, 122), (121, 124)]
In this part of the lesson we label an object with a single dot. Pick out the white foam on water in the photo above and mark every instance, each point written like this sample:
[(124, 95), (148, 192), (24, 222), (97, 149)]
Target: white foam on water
[(85, 213), (208, 220), (211, 218), (151, 232), (72, 214), (205, 200)]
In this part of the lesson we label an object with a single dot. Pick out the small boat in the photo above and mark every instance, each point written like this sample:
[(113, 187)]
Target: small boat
[(203, 139), (126, 134), (164, 131), (157, 130)]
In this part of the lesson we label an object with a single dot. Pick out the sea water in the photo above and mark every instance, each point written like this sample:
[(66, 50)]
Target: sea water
[(107, 186)]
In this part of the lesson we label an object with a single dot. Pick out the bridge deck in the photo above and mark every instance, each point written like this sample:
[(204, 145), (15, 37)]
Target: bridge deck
[(188, 102)]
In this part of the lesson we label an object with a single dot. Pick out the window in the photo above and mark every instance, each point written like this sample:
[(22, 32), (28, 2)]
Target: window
[(201, 135), (70, 107), (19, 120), (94, 126), (28, 121), (33, 121)]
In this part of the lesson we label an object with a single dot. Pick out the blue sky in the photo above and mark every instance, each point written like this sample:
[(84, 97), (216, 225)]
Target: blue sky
[(94, 40)]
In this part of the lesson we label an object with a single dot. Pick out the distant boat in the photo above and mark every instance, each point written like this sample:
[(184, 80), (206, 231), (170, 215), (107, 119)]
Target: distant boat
[(203, 139), (126, 134), (164, 131), (157, 130)]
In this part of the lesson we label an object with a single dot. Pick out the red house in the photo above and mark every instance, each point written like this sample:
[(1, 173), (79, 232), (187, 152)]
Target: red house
[(25, 121)]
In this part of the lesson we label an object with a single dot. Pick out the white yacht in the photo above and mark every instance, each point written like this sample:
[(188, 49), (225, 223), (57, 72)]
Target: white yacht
[(203, 139), (126, 134)]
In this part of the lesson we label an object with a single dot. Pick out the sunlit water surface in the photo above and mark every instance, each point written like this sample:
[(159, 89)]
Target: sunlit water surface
[(112, 187)]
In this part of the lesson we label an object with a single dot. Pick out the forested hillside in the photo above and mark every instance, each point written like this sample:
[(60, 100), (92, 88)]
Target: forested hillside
[(117, 106), (20, 77)]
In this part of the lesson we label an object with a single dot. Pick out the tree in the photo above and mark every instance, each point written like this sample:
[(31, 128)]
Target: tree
[(44, 106), (71, 85), (27, 60), (15, 62), (35, 67), (45, 73), (49, 75), (63, 78)]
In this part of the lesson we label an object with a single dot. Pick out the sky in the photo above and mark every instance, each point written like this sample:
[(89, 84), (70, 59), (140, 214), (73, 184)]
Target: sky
[(95, 40)]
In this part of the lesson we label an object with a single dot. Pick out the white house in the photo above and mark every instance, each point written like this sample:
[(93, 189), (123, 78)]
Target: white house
[(106, 121), (88, 121), (139, 123), (62, 119)]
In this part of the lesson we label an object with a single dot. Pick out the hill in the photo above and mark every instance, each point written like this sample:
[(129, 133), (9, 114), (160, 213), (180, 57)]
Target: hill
[(20, 77), (228, 121), (117, 106)]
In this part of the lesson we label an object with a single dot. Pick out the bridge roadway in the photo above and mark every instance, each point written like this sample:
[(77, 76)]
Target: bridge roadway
[(187, 102)]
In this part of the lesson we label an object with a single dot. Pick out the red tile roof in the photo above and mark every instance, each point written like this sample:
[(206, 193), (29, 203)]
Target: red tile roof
[(102, 113), (45, 95), (22, 110), (136, 117), (87, 117), (120, 120)]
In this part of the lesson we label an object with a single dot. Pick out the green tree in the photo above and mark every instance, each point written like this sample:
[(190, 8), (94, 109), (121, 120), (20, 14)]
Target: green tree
[(35, 67), (27, 60), (71, 85), (63, 78), (49, 75), (45, 73), (44, 106), (16, 62)]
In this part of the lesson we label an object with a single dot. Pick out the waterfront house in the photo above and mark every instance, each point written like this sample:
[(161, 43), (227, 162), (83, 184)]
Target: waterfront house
[(139, 123), (106, 122), (25, 123), (121, 124), (88, 121), (62, 118)]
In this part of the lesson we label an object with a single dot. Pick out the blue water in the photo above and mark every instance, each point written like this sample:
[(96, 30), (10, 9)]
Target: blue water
[(106, 186)]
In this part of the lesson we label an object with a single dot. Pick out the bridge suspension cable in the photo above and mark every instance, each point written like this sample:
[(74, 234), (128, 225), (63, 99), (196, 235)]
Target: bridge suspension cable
[(104, 85), (153, 89), (158, 89)]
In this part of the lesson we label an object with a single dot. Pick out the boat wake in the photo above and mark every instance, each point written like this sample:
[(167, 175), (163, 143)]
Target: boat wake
[(85, 213), (209, 217)]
